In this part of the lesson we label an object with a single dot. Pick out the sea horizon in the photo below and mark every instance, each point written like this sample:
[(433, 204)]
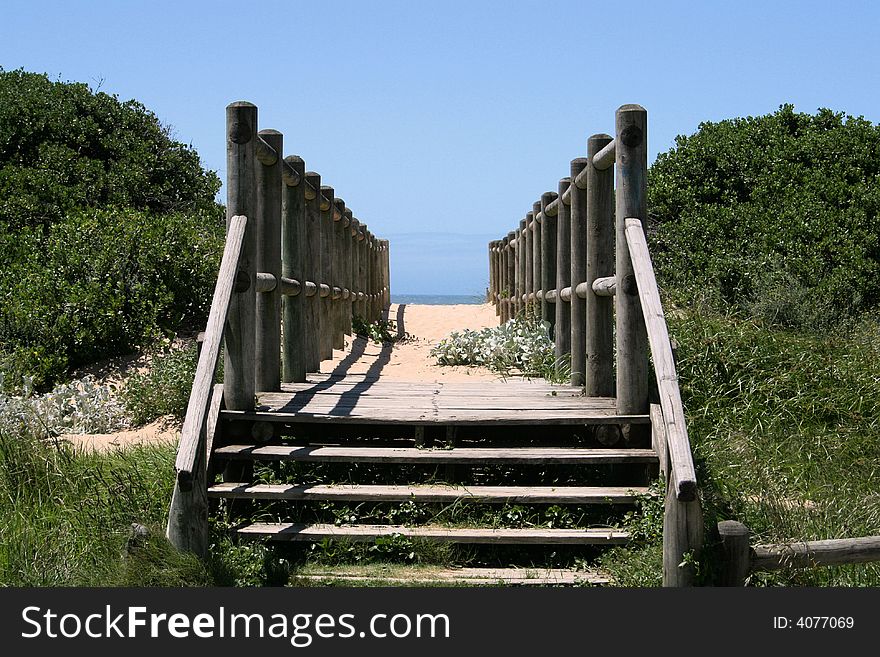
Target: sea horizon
[(438, 299)]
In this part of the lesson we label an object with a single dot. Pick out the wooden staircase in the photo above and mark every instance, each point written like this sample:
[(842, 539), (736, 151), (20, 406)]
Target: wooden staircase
[(438, 446)]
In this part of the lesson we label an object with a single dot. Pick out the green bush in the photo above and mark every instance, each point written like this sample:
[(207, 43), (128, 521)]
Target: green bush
[(773, 216), (64, 147), (164, 389), (99, 284)]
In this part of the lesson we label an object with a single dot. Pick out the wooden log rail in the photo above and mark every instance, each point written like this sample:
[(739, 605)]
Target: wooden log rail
[(297, 268), (579, 261), (740, 558)]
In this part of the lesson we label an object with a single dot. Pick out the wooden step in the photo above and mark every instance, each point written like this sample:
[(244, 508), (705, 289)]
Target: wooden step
[(431, 493), (479, 455), (525, 536), (406, 576)]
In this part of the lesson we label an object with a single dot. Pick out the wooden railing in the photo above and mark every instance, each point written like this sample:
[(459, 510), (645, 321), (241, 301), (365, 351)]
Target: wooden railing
[(740, 558), (297, 268), (580, 261)]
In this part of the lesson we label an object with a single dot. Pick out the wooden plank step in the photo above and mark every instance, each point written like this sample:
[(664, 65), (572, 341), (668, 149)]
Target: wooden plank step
[(526, 536), (431, 416), (480, 455), (430, 493), (462, 576)]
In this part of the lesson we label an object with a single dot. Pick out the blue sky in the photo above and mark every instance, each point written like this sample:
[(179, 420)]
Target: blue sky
[(441, 123)]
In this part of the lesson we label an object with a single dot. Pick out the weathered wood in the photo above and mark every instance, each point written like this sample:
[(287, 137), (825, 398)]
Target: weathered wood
[(808, 554), (578, 272), (682, 539), (313, 267), (599, 263), (681, 459), (186, 529), (631, 201), (562, 323), (268, 304), (548, 229), (386, 276), (604, 287), (293, 243), (658, 438), (605, 158), (461, 455), (328, 266), (361, 245), (348, 253), (462, 576), (266, 282), (340, 270), (239, 355), (529, 258), (536, 259), (302, 532), (737, 553), (521, 265), (430, 493)]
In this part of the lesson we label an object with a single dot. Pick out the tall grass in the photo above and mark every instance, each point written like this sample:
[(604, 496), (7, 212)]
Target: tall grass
[(66, 516)]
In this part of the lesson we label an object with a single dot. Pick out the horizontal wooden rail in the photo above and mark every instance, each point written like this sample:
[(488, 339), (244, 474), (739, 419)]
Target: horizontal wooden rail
[(741, 558), (682, 462)]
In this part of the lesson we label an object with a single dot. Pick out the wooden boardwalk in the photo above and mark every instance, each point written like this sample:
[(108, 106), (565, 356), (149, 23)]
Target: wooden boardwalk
[(360, 399)]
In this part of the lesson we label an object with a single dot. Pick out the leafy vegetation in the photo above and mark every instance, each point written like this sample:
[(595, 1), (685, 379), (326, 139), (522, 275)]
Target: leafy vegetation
[(109, 231), (164, 388), (773, 217)]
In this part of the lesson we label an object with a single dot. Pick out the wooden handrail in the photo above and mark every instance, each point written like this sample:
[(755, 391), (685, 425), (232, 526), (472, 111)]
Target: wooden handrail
[(197, 408), (681, 460)]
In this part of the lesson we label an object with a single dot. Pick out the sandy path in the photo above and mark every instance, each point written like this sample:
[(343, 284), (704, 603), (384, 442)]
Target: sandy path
[(405, 360), (409, 359)]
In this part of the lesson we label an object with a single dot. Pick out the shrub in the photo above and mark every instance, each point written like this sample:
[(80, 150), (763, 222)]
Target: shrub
[(164, 389), (100, 284), (773, 216)]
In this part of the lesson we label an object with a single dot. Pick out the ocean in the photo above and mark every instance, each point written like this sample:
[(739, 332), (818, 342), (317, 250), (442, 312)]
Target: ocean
[(438, 299)]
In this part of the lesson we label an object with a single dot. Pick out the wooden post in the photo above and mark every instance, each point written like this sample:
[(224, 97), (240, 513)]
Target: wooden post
[(368, 283), (737, 553), (578, 211), (293, 235), (521, 262), (528, 256), (238, 377), (490, 291), (548, 261), (511, 275), (563, 271), (268, 303), (682, 538), (536, 258), (386, 275), (362, 272), (375, 312), (350, 267), (599, 263), (326, 223), (502, 282), (631, 200), (355, 269), (314, 325), (339, 264)]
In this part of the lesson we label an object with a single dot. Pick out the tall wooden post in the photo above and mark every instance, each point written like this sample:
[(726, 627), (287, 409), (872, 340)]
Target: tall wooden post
[(631, 144), (314, 318), (339, 265), (600, 264), (536, 257), (326, 223), (355, 269), (362, 272), (523, 247), (386, 273), (578, 210), (511, 275), (368, 281), (490, 291), (268, 302), (529, 254), (238, 359), (562, 310), (502, 280), (350, 267), (548, 260), (293, 235)]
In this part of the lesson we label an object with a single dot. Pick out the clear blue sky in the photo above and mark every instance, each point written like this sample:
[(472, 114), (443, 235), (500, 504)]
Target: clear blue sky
[(441, 123)]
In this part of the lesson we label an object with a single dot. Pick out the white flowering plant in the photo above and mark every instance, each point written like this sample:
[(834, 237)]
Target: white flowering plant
[(521, 345)]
